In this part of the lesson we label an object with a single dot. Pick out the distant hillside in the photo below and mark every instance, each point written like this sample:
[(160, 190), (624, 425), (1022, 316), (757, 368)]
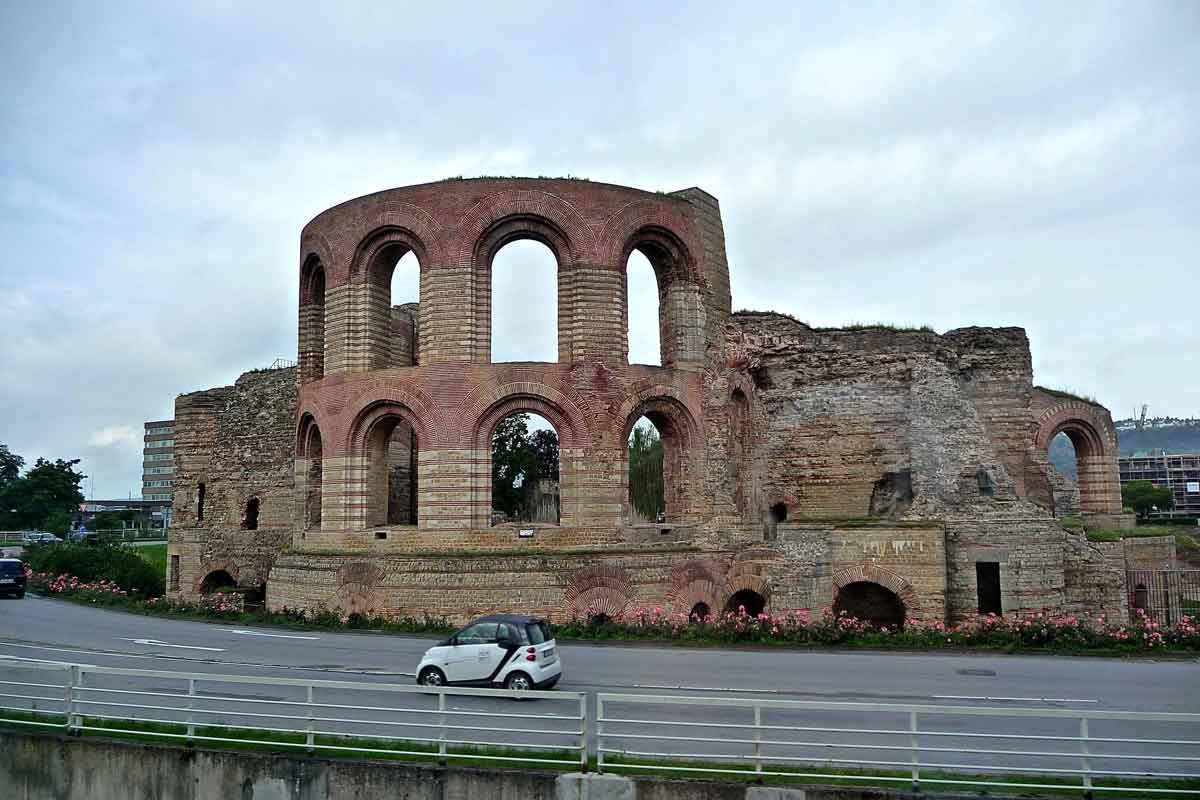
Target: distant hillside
[(1164, 433)]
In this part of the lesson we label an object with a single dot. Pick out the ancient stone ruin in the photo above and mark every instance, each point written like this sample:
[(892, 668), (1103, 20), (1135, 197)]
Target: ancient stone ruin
[(894, 474)]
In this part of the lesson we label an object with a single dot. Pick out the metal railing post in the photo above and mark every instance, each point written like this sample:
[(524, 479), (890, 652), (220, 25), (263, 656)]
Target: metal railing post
[(599, 733), (1086, 760), (310, 737), (757, 737), (191, 717), (583, 726), (442, 726), (915, 750), (69, 697)]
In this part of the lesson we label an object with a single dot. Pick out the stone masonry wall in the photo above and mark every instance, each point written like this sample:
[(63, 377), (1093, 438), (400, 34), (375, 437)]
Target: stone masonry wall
[(239, 441)]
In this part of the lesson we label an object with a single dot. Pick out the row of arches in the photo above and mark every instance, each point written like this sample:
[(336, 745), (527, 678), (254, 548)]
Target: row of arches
[(517, 313), (526, 480)]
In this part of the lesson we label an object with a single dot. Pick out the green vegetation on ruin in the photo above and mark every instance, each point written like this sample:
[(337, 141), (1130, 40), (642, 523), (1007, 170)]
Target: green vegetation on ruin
[(1069, 394)]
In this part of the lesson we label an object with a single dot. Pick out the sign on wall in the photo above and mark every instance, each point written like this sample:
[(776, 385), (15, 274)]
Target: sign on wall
[(1193, 487)]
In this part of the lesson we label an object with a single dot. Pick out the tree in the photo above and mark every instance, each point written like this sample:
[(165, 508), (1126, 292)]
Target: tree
[(46, 489), (1144, 496), (10, 466), (545, 453), (513, 462), (646, 491)]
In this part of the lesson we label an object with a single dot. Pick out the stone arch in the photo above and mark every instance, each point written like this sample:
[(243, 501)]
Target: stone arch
[(1094, 438), (493, 402), (522, 214), (360, 588), (650, 220), (371, 269), (598, 589), (697, 580), (889, 580), (215, 575)]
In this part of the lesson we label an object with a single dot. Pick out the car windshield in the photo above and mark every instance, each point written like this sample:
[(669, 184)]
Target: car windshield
[(12, 568)]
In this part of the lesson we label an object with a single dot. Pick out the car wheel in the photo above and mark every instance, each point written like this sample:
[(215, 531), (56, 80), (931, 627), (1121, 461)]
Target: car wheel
[(518, 682), (432, 676)]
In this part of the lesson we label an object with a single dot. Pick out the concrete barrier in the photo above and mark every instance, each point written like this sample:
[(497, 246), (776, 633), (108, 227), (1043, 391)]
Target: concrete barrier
[(42, 766)]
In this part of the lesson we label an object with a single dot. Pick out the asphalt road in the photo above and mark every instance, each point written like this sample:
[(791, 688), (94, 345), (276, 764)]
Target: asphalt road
[(38, 628)]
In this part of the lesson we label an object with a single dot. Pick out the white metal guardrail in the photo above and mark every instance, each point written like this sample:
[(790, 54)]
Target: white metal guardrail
[(1007, 748), (312, 715)]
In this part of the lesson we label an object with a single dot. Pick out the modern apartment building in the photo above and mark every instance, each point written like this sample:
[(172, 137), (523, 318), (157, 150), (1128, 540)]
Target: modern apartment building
[(158, 465), (1179, 472)]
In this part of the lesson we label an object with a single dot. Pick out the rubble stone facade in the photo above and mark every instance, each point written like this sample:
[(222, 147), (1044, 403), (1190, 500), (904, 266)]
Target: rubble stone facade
[(804, 468)]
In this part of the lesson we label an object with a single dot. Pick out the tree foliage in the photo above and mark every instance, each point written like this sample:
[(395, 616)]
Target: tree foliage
[(646, 491), (519, 456), (1144, 497), (47, 491)]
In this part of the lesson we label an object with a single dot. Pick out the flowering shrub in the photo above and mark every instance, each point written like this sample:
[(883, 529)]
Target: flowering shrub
[(1036, 630)]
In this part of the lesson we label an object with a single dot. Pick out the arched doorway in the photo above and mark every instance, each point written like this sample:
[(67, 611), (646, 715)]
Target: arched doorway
[(746, 601), (657, 433), (217, 581), (391, 448), (699, 612), (871, 603)]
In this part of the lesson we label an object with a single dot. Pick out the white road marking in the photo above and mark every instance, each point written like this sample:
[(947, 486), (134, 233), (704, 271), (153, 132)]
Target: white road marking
[(1012, 699), (703, 688), (157, 643), (270, 635)]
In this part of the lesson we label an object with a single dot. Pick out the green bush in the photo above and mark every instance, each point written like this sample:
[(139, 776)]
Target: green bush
[(103, 562)]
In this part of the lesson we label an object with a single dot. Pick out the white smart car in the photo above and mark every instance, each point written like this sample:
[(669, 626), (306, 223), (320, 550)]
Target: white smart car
[(508, 650)]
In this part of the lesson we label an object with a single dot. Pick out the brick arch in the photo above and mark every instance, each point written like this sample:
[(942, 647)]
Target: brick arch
[(359, 588), (870, 573), (409, 223), (598, 589), (369, 406), (651, 220), (531, 206), (1094, 438), (316, 245), (739, 581), (661, 398), (364, 265), (491, 401)]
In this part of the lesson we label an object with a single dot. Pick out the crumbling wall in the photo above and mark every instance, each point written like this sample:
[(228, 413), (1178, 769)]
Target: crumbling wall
[(239, 442)]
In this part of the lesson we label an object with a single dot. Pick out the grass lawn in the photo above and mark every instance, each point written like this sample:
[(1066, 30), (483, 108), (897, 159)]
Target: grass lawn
[(155, 555)]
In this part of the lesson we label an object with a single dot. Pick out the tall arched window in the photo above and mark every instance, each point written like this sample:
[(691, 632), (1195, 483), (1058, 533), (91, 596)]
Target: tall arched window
[(312, 320), (314, 477), (657, 478), (646, 489), (525, 470), (391, 451), (524, 303), (643, 320), (393, 286)]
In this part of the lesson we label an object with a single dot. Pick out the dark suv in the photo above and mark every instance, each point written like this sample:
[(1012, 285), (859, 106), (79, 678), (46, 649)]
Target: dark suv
[(12, 577)]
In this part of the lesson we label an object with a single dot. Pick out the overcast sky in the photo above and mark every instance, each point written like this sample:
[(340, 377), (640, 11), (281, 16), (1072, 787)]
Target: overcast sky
[(1007, 164)]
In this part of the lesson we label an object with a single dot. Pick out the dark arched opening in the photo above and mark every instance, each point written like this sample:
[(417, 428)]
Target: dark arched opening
[(779, 513), (312, 321), (599, 620), (746, 601), (1141, 597), (699, 612), (739, 448), (525, 470), (313, 475), (871, 603), (201, 490), (250, 518), (217, 581)]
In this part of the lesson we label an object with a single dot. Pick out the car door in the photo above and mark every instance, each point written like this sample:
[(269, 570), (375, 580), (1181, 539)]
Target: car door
[(473, 655)]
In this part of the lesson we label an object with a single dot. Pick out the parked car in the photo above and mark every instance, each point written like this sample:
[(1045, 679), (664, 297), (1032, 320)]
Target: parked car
[(83, 537), (29, 538), (12, 577), (508, 650)]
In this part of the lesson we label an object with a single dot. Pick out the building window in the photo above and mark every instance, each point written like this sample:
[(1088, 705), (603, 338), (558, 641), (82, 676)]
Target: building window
[(200, 503), (173, 577), (987, 579)]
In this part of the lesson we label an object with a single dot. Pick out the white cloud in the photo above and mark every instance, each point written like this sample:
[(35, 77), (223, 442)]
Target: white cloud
[(115, 435)]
